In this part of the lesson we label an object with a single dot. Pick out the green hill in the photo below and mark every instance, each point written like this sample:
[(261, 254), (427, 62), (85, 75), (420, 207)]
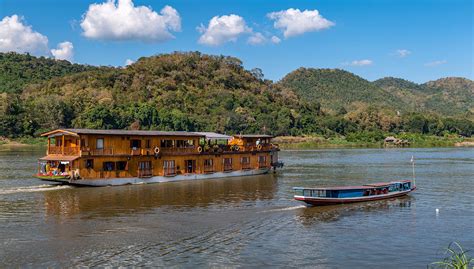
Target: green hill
[(18, 70), (447, 96), (335, 88), (193, 91)]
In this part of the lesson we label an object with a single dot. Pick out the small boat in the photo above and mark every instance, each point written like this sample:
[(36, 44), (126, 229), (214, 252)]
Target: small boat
[(353, 194)]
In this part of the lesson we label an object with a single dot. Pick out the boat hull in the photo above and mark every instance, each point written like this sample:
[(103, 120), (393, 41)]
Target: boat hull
[(158, 179), (321, 201)]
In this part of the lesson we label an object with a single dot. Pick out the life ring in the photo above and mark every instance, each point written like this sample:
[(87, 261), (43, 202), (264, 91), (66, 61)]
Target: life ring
[(199, 149), (259, 147), (236, 148), (156, 150)]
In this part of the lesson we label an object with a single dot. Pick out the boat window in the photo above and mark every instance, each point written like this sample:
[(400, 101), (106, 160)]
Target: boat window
[(245, 160), (89, 163), (148, 143), (109, 166), (121, 166), (167, 143), (299, 192), (208, 162), (135, 143), (99, 144)]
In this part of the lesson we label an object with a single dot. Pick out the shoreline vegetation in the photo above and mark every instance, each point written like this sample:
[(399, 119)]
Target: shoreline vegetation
[(310, 141)]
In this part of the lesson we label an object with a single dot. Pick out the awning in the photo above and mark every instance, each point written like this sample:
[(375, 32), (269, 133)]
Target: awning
[(59, 158)]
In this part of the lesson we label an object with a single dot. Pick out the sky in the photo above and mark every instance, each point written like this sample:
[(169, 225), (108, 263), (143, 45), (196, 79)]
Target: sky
[(418, 40)]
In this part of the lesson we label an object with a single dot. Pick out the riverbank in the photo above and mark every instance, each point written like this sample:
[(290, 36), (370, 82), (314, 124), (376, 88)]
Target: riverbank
[(415, 141)]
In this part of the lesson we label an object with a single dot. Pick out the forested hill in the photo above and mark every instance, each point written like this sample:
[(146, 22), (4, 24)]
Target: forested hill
[(197, 92), (18, 70), (335, 88), (447, 96)]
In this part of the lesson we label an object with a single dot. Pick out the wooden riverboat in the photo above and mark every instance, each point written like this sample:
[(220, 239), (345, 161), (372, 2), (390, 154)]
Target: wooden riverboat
[(117, 157), (353, 194)]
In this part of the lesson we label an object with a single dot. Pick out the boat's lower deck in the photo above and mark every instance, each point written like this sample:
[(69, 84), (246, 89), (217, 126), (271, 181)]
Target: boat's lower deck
[(155, 179)]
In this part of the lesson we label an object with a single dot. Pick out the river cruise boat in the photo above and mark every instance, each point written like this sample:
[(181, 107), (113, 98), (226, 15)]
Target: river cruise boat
[(117, 157), (353, 194)]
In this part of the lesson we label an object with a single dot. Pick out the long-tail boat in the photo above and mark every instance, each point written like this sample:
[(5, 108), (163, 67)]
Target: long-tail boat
[(353, 194)]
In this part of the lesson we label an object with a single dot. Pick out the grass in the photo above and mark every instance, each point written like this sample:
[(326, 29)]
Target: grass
[(456, 258)]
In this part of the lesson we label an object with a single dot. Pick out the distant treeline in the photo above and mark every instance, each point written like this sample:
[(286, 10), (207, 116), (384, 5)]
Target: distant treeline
[(195, 92)]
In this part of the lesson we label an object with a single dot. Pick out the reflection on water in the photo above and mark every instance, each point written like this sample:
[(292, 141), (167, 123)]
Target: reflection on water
[(313, 215), (242, 222), (110, 201)]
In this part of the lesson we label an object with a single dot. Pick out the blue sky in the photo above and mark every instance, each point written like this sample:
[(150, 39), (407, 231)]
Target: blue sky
[(415, 40)]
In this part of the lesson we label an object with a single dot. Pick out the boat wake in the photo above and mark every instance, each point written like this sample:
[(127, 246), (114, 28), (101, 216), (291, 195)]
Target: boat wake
[(39, 188), (286, 208)]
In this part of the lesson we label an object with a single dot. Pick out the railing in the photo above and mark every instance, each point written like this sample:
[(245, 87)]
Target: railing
[(63, 151), (208, 169), (147, 172), (179, 150), (135, 152), (97, 152)]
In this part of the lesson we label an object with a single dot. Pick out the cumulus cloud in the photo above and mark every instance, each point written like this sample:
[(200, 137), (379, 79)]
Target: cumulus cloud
[(295, 22), (402, 53), (222, 29), (275, 39), (436, 63), (17, 36), (123, 21), (257, 39), (364, 62), (64, 51), (129, 62)]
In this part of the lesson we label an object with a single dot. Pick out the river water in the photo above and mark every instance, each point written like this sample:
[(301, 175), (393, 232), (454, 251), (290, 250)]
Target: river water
[(243, 222)]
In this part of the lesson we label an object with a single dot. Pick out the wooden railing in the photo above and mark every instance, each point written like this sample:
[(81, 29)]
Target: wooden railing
[(63, 151), (147, 172), (97, 152), (179, 150)]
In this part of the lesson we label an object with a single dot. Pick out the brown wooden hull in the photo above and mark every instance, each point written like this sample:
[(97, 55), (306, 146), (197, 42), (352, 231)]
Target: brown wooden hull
[(334, 201)]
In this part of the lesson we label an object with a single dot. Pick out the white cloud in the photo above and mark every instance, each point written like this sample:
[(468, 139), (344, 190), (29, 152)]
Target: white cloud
[(16, 36), (124, 21), (257, 39), (64, 51), (275, 39), (294, 22), (129, 62), (226, 28), (436, 63), (364, 62), (402, 53)]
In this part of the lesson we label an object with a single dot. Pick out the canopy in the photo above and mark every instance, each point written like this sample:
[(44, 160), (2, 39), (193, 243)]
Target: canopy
[(59, 158)]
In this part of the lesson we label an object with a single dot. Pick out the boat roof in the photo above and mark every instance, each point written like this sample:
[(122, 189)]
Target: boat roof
[(360, 187), (253, 136), (76, 132), (58, 158), (211, 135)]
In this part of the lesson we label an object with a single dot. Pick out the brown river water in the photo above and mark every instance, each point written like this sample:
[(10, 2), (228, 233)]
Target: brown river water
[(243, 222)]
